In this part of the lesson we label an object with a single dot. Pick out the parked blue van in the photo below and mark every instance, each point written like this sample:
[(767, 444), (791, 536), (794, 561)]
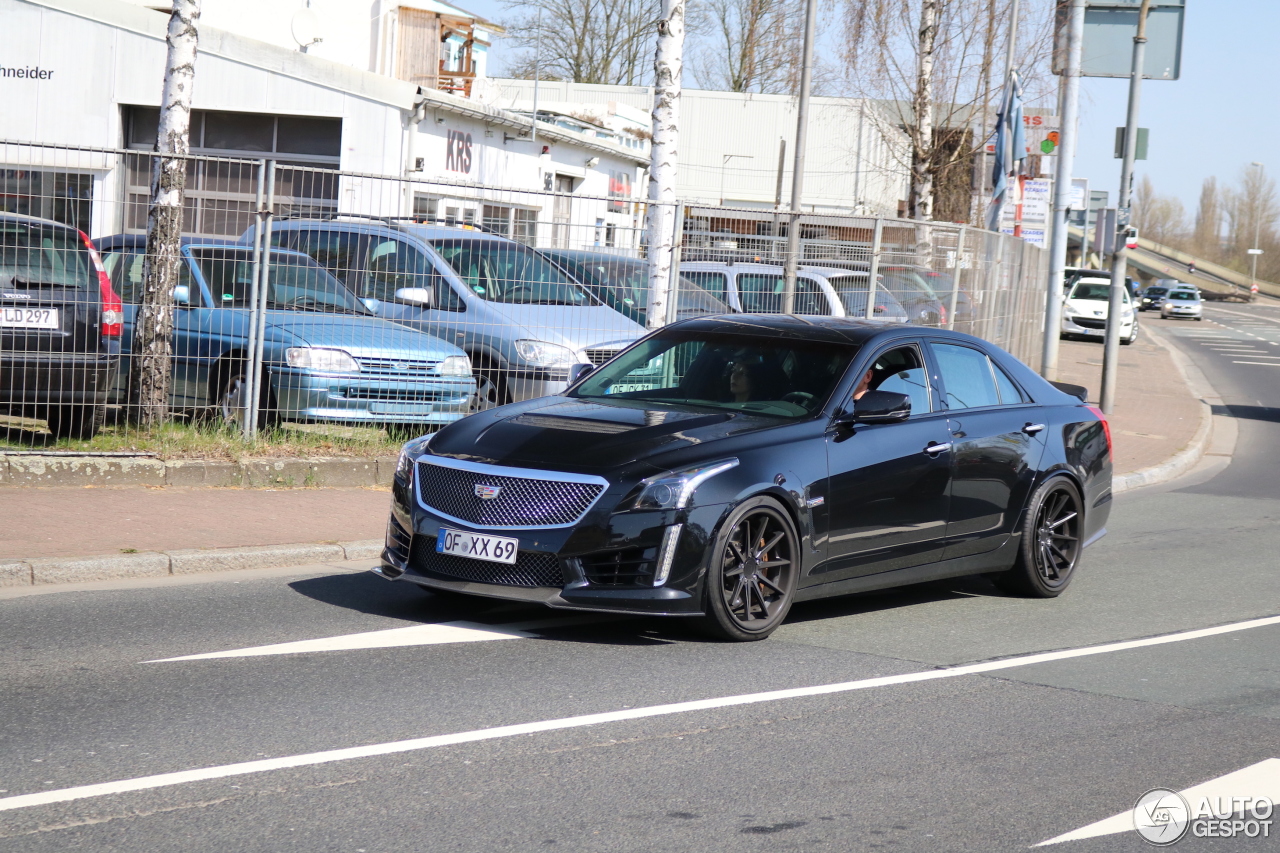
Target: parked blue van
[(326, 357)]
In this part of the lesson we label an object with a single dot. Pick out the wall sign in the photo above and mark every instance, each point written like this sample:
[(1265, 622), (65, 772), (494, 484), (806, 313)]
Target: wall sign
[(457, 152), (26, 73)]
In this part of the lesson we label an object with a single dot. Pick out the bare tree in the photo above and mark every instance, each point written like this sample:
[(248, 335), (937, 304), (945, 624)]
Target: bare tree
[(1159, 217), (931, 63), (153, 341), (1206, 240), (1252, 211), (751, 46), (586, 41)]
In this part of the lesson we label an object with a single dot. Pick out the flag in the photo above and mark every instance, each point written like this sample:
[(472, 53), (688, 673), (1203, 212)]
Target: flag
[(1011, 148)]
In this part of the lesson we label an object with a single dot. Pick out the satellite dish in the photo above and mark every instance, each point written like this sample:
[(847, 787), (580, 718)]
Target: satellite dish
[(305, 27)]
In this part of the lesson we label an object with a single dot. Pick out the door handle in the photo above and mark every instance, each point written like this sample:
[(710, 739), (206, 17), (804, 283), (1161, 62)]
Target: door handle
[(1032, 429), (934, 449)]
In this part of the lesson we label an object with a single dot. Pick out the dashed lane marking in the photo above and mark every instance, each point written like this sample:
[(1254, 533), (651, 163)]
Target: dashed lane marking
[(203, 774)]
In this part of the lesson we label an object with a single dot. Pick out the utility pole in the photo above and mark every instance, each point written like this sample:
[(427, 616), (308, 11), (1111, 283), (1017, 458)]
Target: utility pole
[(153, 333), (660, 218), (1119, 260), (1009, 59), (792, 260), (1255, 251), (1062, 190)]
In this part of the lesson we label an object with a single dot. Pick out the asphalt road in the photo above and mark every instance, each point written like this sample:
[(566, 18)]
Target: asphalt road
[(906, 755)]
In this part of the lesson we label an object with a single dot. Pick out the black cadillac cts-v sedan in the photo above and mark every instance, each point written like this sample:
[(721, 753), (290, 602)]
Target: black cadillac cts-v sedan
[(727, 467)]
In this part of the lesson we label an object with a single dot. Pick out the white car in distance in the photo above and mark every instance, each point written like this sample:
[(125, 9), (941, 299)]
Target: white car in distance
[(1085, 308)]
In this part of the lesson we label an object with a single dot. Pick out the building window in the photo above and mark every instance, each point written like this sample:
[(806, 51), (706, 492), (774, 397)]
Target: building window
[(619, 191), (518, 223), (220, 194), (64, 197), (425, 207)]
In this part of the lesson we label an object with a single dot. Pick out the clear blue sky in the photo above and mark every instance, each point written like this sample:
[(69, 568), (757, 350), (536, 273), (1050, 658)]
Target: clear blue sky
[(1223, 114)]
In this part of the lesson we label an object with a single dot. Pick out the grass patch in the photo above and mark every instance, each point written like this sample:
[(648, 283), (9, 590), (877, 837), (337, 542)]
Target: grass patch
[(193, 440)]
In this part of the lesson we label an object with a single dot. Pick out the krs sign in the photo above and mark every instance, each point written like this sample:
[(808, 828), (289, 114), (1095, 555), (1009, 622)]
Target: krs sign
[(457, 152)]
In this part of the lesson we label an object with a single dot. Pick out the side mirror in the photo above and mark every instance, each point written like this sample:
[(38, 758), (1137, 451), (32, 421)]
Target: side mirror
[(881, 407), (420, 296), (182, 295), (577, 371), (372, 304)]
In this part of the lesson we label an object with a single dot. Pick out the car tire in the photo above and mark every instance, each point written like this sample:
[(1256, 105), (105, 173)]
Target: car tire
[(491, 387), (80, 423), (228, 409), (1044, 569), (1133, 335), (753, 571)]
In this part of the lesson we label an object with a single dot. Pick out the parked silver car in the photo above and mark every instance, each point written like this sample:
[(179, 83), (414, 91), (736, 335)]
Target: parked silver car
[(826, 291)]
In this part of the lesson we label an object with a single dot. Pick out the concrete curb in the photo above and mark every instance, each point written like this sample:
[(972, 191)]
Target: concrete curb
[(70, 570), (1215, 436), (32, 469)]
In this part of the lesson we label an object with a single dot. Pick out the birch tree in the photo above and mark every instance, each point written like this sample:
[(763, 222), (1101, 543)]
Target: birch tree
[(660, 218), (153, 339)]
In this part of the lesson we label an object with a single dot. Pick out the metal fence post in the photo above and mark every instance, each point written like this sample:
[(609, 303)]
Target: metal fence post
[(673, 289), (955, 281), (876, 240), (253, 377), (250, 382)]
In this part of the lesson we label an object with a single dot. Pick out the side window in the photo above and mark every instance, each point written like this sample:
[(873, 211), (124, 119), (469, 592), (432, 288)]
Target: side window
[(901, 371), (966, 375), (712, 282), (393, 265), (336, 251), (760, 294), (810, 299), (1010, 394), (127, 277)]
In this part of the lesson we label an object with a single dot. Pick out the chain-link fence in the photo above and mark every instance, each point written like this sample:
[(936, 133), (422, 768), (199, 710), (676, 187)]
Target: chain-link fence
[(317, 308)]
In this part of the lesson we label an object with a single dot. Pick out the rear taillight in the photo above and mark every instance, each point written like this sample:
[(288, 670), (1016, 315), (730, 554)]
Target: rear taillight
[(1106, 427), (942, 315), (112, 307)]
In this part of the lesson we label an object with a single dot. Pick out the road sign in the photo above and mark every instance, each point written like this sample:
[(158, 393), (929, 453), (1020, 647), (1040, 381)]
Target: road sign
[(1254, 251), (1109, 28), (1253, 288), (1079, 194)]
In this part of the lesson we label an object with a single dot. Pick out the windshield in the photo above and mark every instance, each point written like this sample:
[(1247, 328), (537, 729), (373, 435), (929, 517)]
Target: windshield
[(510, 272), (904, 282), (1155, 291), (852, 290), (705, 371), (623, 285), (33, 254), (294, 281), (1184, 296), (1099, 291)]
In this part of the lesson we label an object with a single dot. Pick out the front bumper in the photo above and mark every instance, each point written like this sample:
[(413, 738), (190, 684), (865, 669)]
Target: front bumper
[(1092, 326), (561, 567), (1179, 311), (353, 399)]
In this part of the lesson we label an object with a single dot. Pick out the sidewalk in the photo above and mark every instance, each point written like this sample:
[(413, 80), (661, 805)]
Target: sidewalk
[(149, 530)]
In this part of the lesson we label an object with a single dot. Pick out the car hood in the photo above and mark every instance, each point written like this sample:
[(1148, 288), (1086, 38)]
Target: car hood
[(357, 335), (564, 434), (573, 326), (1088, 307)]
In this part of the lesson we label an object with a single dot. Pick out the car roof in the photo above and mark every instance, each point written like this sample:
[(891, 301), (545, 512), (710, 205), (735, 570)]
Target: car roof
[(820, 328), (390, 227), (36, 220), (588, 255), (134, 241)]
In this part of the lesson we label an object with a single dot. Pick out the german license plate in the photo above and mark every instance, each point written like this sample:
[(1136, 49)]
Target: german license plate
[(477, 546), (29, 318)]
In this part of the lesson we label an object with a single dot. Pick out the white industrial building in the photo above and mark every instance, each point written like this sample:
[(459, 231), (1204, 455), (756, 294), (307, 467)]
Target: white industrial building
[(81, 80), (730, 141)]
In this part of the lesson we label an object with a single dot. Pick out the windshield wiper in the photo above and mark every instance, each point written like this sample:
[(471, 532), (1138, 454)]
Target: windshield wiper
[(307, 303)]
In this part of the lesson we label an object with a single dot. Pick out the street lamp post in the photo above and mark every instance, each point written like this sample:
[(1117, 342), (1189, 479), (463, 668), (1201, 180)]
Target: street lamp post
[(724, 162), (1253, 254)]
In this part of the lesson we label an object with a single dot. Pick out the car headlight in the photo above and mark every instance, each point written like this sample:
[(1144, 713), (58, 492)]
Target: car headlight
[(404, 465), (321, 359), (456, 365), (674, 489), (543, 354)]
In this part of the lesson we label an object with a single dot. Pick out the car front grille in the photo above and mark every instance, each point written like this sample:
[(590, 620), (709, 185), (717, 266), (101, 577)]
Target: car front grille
[(520, 501), (531, 568), (603, 354), (396, 395), (627, 567), (1089, 322), (401, 367)]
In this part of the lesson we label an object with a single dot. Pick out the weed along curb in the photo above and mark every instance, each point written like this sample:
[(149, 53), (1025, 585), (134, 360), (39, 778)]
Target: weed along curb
[(69, 570), (53, 469)]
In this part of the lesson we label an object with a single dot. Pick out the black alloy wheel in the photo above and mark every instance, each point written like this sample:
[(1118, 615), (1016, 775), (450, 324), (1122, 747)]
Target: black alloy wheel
[(751, 582), (76, 422), (230, 398), (1050, 548)]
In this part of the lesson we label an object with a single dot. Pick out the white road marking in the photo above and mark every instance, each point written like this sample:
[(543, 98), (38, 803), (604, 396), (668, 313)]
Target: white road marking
[(414, 635), (1260, 363), (203, 774), (1258, 780)]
